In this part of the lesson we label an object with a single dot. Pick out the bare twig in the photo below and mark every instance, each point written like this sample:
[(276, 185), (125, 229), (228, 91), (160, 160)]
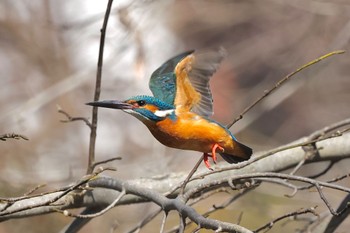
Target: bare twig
[(98, 89), (270, 224), (34, 189), (79, 223), (311, 149), (105, 161), (76, 186), (3, 137), (71, 119), (146, 220), (335, 221), (194, 169), (94, 215), (284, 183), (329, 167), (163, 222), (322, 132), (338, 178), (329, 181), (228, 202), (330, 208), (281, 82)]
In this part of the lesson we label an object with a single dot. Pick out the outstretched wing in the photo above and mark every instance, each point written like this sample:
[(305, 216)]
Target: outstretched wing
[(183, 81), (192, 81), (163, 80)]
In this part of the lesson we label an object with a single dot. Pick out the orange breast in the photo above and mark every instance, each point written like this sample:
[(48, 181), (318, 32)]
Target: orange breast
[(192, 132)]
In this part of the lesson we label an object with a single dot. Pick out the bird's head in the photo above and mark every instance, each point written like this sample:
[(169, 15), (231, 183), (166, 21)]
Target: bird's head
[(145, 108)]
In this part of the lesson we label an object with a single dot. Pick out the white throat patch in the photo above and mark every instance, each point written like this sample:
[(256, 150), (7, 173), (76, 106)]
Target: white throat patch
[(163, 113)]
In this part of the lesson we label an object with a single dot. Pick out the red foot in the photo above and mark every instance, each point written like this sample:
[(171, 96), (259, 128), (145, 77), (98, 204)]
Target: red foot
[(206, 160), (213, 155), (213, 151)]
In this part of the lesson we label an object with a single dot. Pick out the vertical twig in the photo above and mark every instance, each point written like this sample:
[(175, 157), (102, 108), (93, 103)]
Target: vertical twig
[(163, 222), (194, 169), (98, 89)]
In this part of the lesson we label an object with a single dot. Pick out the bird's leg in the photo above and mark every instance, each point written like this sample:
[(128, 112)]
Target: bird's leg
[(213, 151), (213, 155), (206, 160)]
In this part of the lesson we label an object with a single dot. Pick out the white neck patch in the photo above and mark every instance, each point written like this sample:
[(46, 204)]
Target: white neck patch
[(163, 113)]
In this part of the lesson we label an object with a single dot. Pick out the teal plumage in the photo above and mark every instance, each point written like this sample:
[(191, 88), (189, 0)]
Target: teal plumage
[(148, 114), (163, 80)]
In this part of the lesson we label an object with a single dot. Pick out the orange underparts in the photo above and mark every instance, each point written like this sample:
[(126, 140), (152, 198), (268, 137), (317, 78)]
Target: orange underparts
[(213, 155)]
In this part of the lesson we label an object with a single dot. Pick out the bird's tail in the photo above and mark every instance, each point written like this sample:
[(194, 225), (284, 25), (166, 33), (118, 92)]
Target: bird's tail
[(240, 153)]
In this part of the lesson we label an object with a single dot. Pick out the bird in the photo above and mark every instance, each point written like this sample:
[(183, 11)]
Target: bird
[(179, 113)]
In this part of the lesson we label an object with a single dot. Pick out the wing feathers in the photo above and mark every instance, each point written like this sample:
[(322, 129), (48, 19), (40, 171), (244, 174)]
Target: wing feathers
[(183, 81), (163, 80), (186, 95), (198, 69)]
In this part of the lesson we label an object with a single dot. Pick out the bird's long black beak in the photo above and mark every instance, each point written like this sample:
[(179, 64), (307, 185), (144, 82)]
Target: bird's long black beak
[(116, 104)]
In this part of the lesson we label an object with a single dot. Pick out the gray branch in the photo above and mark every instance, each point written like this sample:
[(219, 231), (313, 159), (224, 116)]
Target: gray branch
[(105, 190)]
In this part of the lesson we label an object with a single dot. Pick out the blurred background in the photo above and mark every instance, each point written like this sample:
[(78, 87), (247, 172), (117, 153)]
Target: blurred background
[(48, 57)]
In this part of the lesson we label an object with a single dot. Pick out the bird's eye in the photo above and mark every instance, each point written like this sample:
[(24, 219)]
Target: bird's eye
[(141, 102)]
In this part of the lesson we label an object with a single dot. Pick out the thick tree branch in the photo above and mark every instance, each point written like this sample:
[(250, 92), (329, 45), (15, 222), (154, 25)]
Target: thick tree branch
[(333, 149)]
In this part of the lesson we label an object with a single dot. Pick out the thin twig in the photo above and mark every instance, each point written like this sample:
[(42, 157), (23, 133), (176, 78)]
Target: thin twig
[(91, 160), (329, 181), (335, 221), (228, 202), (194, 169), (3, 137), (329, 167), (324, 199), (63, 193), (104, 161), (311, 150), (146, 220), (281, 82), (284, 183), (71, 119), (322, 132), (94, 215), (163, 222), (34, 189), (270, 224)]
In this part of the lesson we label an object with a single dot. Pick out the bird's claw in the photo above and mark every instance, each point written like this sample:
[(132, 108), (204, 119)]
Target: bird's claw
[(213, 155), (206, 160)]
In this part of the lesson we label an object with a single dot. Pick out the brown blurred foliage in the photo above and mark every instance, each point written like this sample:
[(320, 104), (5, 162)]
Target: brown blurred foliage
[(48, 57)]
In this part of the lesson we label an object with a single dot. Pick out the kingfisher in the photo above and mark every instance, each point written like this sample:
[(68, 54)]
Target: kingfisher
[(178, 114)]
